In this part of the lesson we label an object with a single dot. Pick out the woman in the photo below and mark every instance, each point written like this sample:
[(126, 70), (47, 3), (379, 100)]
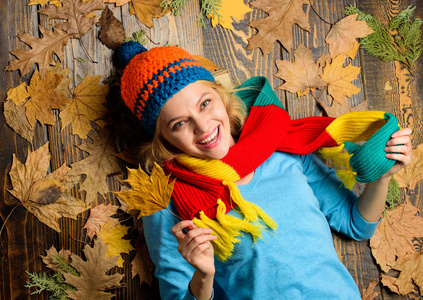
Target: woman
[(249, 192)]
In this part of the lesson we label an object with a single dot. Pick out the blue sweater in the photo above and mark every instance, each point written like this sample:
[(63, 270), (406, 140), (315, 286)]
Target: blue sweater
[(298, 260)]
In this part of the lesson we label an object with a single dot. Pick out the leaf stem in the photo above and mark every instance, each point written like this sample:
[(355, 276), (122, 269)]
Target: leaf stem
[(4, 223), (312, 8)]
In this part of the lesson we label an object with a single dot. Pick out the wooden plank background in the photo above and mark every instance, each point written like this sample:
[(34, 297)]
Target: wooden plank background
[(24, 238)]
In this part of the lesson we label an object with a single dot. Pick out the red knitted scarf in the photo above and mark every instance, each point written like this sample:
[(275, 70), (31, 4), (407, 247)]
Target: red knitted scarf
[(267, 129)]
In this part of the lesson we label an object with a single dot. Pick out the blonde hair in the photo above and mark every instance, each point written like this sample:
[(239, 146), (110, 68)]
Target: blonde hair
[(159, 150)]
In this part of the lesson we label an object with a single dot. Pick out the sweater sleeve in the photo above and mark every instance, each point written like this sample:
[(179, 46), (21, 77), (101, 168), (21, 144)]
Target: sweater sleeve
[(171, 269), (338, 204)]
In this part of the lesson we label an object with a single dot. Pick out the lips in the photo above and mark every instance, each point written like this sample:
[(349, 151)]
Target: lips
[(210, 139)]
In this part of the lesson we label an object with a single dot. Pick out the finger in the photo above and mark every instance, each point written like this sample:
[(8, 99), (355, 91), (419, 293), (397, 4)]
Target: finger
[(192, 237), (177, 229), (400, 158), (399, 149), (402, 140), (196, 245), (402, 132)]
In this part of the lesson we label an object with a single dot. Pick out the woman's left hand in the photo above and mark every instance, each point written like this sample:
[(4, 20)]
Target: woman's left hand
[(399, 149)]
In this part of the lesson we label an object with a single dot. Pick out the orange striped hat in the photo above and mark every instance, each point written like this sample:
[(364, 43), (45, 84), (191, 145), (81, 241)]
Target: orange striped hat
[(152, 77)]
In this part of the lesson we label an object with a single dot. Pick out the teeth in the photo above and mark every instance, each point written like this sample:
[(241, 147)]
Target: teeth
[(212, 137)]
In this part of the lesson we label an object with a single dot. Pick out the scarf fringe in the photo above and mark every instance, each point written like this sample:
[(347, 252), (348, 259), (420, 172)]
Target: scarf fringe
[(227, 228)]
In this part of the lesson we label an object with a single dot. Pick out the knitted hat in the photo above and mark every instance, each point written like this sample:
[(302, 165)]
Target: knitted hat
[(152, 77)]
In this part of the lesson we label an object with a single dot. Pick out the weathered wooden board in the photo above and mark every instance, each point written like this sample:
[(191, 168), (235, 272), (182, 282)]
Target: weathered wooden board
[(24, 238)]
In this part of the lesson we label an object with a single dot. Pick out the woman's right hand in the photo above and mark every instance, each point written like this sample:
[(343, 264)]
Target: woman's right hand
[(195, 246)]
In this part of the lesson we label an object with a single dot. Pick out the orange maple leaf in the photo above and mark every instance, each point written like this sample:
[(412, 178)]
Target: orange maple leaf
[(99, 216), (369, 293), (302, 75), (339, 78), (342, 36), (42, 52), (283, 14), (394, 235)]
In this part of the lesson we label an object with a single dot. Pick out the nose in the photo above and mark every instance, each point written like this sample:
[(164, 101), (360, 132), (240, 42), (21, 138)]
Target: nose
[(200, 125)]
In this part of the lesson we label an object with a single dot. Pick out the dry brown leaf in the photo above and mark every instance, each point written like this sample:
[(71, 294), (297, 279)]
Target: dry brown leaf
[(112, 33), (85, 105), (339, 78), (15, 117), (142, 264), (337, 109), (52, 254), (369, 293), (149, 194), (97, 166), (302, 75), (206, 63), (112, 234), (411, 273), (394, 235), (283, 14), (146, 10), (42, 51), (43, 98), (342, 36), (18, 94), (99, 216), (93, 280), (227, 10), (409, 176), (47, 197), (75, 12)]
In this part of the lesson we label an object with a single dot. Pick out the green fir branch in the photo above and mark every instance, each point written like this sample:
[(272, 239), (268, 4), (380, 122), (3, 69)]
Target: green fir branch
[(139, 36), (177, 6), (393, 197), (209, 8), (401, 40), (54, 284)]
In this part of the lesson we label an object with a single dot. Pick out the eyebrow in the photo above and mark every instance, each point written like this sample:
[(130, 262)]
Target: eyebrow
[(198, 103)]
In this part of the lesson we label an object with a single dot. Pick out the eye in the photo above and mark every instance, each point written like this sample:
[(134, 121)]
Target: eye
[(177, 125), (205, 103)]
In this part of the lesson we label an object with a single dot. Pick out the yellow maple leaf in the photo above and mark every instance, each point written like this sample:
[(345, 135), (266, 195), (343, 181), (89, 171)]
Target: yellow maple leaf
[(342, 36), (302, 75), (42, 2), (227, 10), (113, 237), (339, 78), (86, 105), (18, 94), (149, 194), (43, 98)]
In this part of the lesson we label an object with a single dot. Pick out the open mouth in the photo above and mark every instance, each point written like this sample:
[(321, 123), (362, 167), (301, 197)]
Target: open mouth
[(211, 138)]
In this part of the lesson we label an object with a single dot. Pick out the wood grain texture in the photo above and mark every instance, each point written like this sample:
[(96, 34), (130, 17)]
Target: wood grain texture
[(24, 238)]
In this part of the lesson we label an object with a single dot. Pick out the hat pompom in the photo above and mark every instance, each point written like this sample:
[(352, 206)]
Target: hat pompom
[(128, 50)]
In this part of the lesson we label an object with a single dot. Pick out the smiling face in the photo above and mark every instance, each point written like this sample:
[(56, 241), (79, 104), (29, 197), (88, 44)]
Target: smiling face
[(196, 122)]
